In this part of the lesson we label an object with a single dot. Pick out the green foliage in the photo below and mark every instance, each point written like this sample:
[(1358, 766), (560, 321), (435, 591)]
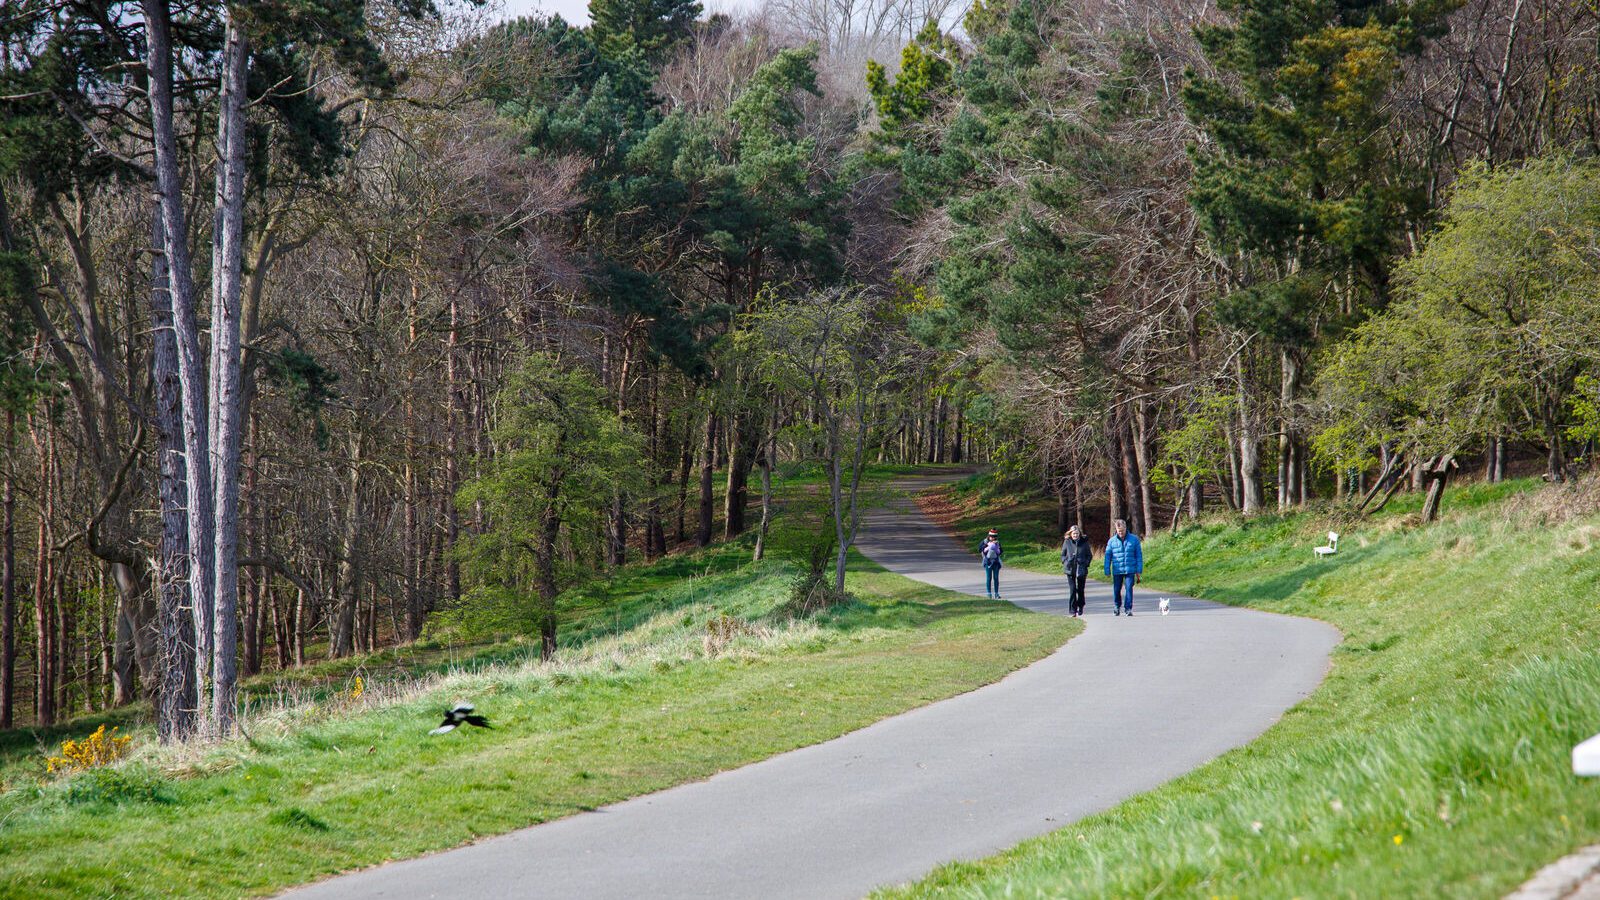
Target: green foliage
[(927, 68), (651, 28), (1494, 326), (1585, 409), (561, 453), (21, 379), (1195, 451), (1291, 176), (731, 196), (117, 786), (308, 384)]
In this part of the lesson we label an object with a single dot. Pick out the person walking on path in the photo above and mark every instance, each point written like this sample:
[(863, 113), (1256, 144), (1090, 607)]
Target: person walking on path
[(990, 553), (1124, 562), (1075, 556)]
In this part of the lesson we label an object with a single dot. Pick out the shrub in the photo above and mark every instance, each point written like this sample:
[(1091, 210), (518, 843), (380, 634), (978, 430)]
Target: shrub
[(721, 631), (116, 786), (96, 750), (812, 590)]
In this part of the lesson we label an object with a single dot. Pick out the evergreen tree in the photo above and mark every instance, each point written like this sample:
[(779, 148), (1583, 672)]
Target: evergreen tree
[(649, 28)]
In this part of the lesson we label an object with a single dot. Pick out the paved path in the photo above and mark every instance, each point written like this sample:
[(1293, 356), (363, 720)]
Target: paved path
[(1123, 707)]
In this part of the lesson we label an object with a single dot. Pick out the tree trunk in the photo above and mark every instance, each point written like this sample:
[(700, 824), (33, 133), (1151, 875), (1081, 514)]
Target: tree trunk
[(1116, 499), (1437, 476), (1144, 436), (452, 478), (186, 332), (226, 357), (8, 577), (746, 437), (43, 622), (708, 454), (769, 453), (655, 536), (955, 446), (176, 701), (544, 566), (341, 637), (1249, 449), (685, 466), (1131, 476), (1555, 455)]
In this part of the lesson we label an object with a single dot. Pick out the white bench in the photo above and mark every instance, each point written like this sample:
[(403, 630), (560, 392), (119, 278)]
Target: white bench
[(1586, 757), (1330, 549)]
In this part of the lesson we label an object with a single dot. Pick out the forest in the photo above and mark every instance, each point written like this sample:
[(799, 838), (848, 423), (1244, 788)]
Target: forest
[(328, 323)]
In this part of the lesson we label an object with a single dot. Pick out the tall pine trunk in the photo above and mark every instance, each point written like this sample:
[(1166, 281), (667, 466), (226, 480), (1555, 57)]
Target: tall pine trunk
[(191, 368), (175, 699), (227, 429)]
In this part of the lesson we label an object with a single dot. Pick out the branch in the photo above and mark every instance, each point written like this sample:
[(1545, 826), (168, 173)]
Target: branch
[(91, 532)]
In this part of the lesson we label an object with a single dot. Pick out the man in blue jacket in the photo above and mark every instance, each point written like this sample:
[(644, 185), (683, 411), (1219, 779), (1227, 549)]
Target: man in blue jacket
[(1124, 562)]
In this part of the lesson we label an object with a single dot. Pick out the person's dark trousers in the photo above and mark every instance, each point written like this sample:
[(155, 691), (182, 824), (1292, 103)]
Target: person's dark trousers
[(1118, 582), (991, 579), (1075, 582)]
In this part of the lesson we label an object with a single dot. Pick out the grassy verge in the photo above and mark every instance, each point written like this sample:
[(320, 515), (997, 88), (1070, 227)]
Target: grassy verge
[(644, 695), (1434, 761)]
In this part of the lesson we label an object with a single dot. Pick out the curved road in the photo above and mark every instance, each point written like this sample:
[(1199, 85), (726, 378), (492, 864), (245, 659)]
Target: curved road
[(1123, 707)]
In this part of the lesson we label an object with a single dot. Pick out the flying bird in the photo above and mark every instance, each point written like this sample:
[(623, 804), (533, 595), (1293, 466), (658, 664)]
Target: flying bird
[(462, 714)]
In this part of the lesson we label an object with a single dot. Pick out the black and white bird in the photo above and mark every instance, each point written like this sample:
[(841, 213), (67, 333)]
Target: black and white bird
[(461, 715)]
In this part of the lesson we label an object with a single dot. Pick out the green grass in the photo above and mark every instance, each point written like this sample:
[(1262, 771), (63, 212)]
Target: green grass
[(637, 702), (1434, 761)]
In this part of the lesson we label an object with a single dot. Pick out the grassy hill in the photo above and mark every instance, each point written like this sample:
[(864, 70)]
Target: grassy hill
[(668, 673), (1435, 759)]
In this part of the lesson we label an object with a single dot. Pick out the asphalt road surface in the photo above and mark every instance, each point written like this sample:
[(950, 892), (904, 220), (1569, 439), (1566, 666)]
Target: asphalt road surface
[(1123, 707)]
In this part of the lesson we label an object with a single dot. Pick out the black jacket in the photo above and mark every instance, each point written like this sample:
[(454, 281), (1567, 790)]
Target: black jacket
[(1075, 555)]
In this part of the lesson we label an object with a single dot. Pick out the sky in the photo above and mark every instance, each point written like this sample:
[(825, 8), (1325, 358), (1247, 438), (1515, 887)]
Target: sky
[(577, 11)]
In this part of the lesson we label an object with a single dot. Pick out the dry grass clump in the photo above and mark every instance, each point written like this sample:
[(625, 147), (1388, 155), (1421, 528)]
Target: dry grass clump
[(1555, 504)]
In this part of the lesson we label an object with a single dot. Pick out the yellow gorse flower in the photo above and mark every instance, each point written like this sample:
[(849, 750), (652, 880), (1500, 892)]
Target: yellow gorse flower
[(98, 749), (357, 689)]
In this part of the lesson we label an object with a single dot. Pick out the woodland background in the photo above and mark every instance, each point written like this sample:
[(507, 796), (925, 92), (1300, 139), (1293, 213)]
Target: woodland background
[(499, 307)]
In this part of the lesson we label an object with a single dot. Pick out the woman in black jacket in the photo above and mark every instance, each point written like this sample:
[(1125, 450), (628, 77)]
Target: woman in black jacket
[(1075, 556)]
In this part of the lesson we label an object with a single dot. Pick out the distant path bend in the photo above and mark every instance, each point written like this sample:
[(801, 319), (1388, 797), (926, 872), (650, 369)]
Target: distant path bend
[(1123, 707)]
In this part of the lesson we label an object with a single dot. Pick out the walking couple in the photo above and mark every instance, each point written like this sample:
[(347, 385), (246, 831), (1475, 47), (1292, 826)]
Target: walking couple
[(1124, 561)]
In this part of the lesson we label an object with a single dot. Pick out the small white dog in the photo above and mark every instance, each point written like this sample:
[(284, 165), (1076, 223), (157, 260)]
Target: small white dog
[(1165, 604)]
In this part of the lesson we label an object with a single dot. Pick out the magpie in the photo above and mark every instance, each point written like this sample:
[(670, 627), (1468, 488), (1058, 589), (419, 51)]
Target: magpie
[(455, 717)]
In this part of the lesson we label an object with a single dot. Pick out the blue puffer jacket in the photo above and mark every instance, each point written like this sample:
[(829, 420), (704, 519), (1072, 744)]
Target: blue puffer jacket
[(1124, 556)]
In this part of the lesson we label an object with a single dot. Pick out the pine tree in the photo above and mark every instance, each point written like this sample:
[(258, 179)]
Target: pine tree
[(650, 28)]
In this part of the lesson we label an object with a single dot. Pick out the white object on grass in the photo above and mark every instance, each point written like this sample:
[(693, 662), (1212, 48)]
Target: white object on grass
[(1586, 757), (1331, 548)]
